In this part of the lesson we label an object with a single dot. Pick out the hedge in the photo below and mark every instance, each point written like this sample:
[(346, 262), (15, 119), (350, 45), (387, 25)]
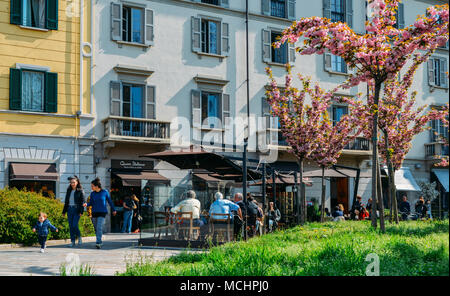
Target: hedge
[(19, 212)]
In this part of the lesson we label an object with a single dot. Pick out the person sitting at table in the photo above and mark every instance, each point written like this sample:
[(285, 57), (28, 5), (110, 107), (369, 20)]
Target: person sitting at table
[(192, 205), (223, 206), (338, 214)]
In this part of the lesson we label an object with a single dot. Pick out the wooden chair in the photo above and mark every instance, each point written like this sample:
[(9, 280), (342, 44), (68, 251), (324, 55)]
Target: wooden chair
[(215, 229), (188, 229)]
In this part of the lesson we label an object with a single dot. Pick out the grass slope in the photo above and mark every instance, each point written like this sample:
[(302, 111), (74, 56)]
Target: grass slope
[(415, 248)]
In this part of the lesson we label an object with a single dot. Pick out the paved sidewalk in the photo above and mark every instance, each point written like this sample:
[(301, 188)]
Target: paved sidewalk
[(117, 250)]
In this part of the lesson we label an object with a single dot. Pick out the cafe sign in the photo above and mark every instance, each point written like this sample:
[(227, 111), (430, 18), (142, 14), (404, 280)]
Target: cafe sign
[(132, 164)]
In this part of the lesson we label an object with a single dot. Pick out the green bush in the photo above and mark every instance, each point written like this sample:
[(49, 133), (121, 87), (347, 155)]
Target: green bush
[(19, 212)]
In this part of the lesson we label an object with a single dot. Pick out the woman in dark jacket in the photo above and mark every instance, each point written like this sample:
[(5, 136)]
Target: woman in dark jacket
[(73, 206)]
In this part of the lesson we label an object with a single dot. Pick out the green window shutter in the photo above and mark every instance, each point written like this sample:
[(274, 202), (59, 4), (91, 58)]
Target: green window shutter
[(52, 15), (16, 12), (51, 92), (15, 89)]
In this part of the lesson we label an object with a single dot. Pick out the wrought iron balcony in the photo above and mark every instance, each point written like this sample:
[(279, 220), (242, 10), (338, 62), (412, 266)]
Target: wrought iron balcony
[(140, 129)]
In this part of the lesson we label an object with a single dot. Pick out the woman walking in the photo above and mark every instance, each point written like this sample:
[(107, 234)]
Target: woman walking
[(73, 206), (98, 199)]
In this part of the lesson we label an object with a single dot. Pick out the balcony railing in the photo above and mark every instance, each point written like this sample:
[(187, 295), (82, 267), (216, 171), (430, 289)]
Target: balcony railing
[(361, 144), (436, 149), (115, 126)]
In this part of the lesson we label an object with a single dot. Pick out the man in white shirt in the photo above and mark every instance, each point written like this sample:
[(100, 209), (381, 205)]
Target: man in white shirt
[(192, 205)]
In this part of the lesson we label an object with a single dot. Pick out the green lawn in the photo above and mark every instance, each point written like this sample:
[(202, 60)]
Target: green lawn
[(414, 248)]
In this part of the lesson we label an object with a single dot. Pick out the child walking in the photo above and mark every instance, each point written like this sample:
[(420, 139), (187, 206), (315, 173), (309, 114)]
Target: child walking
[(42, 229)]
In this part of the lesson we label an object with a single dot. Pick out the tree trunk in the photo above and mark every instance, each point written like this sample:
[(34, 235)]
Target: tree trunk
[(388, 160), (302, 194), (322, 207), (380, 198), (375, 154)]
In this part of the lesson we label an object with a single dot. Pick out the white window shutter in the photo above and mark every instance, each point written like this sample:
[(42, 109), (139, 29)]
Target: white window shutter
[(349, 12), (149, 27), (225, 39), (196, 108), (431, 80), (327, 62), (226, 106), (443, 75), (266, 46), (150, 101), (401, 16), (196, 27), (116, 21), (327, 9), (273, 133), (291, 53), (291, 9), (265, 7), (116, 98), (228, 137)]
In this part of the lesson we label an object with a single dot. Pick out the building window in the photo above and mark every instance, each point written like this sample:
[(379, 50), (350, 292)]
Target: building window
[(438, 131), (133, 100), (42, 14), (34, 13), (132, 24), (211, 110), (437, 72), (278, 8), (213, 2), (337, 11), (338, 64), (210, 34), (337, 112), (33, 90), (279, 55)]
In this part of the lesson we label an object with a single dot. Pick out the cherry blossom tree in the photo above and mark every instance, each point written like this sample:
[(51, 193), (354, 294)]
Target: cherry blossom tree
[(376, 56), (299, 121)]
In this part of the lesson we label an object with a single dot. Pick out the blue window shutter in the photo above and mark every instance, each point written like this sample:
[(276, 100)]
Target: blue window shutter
[(51, 92), (15, 89), (16, 12), (52, 15)]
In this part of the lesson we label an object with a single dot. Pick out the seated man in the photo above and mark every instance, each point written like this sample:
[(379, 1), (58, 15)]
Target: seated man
[(405, 208), (189, 204), (223, 206)]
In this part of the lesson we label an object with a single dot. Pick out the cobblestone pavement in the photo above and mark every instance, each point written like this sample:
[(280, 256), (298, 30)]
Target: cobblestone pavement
[(117, 250)]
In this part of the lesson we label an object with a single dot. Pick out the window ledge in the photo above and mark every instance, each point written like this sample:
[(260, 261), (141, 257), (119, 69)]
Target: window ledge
[(213, 55), (34, 28), (36, 113), (433, 87), (337, 73), (211, 129), (143, 45), (277, 64)]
